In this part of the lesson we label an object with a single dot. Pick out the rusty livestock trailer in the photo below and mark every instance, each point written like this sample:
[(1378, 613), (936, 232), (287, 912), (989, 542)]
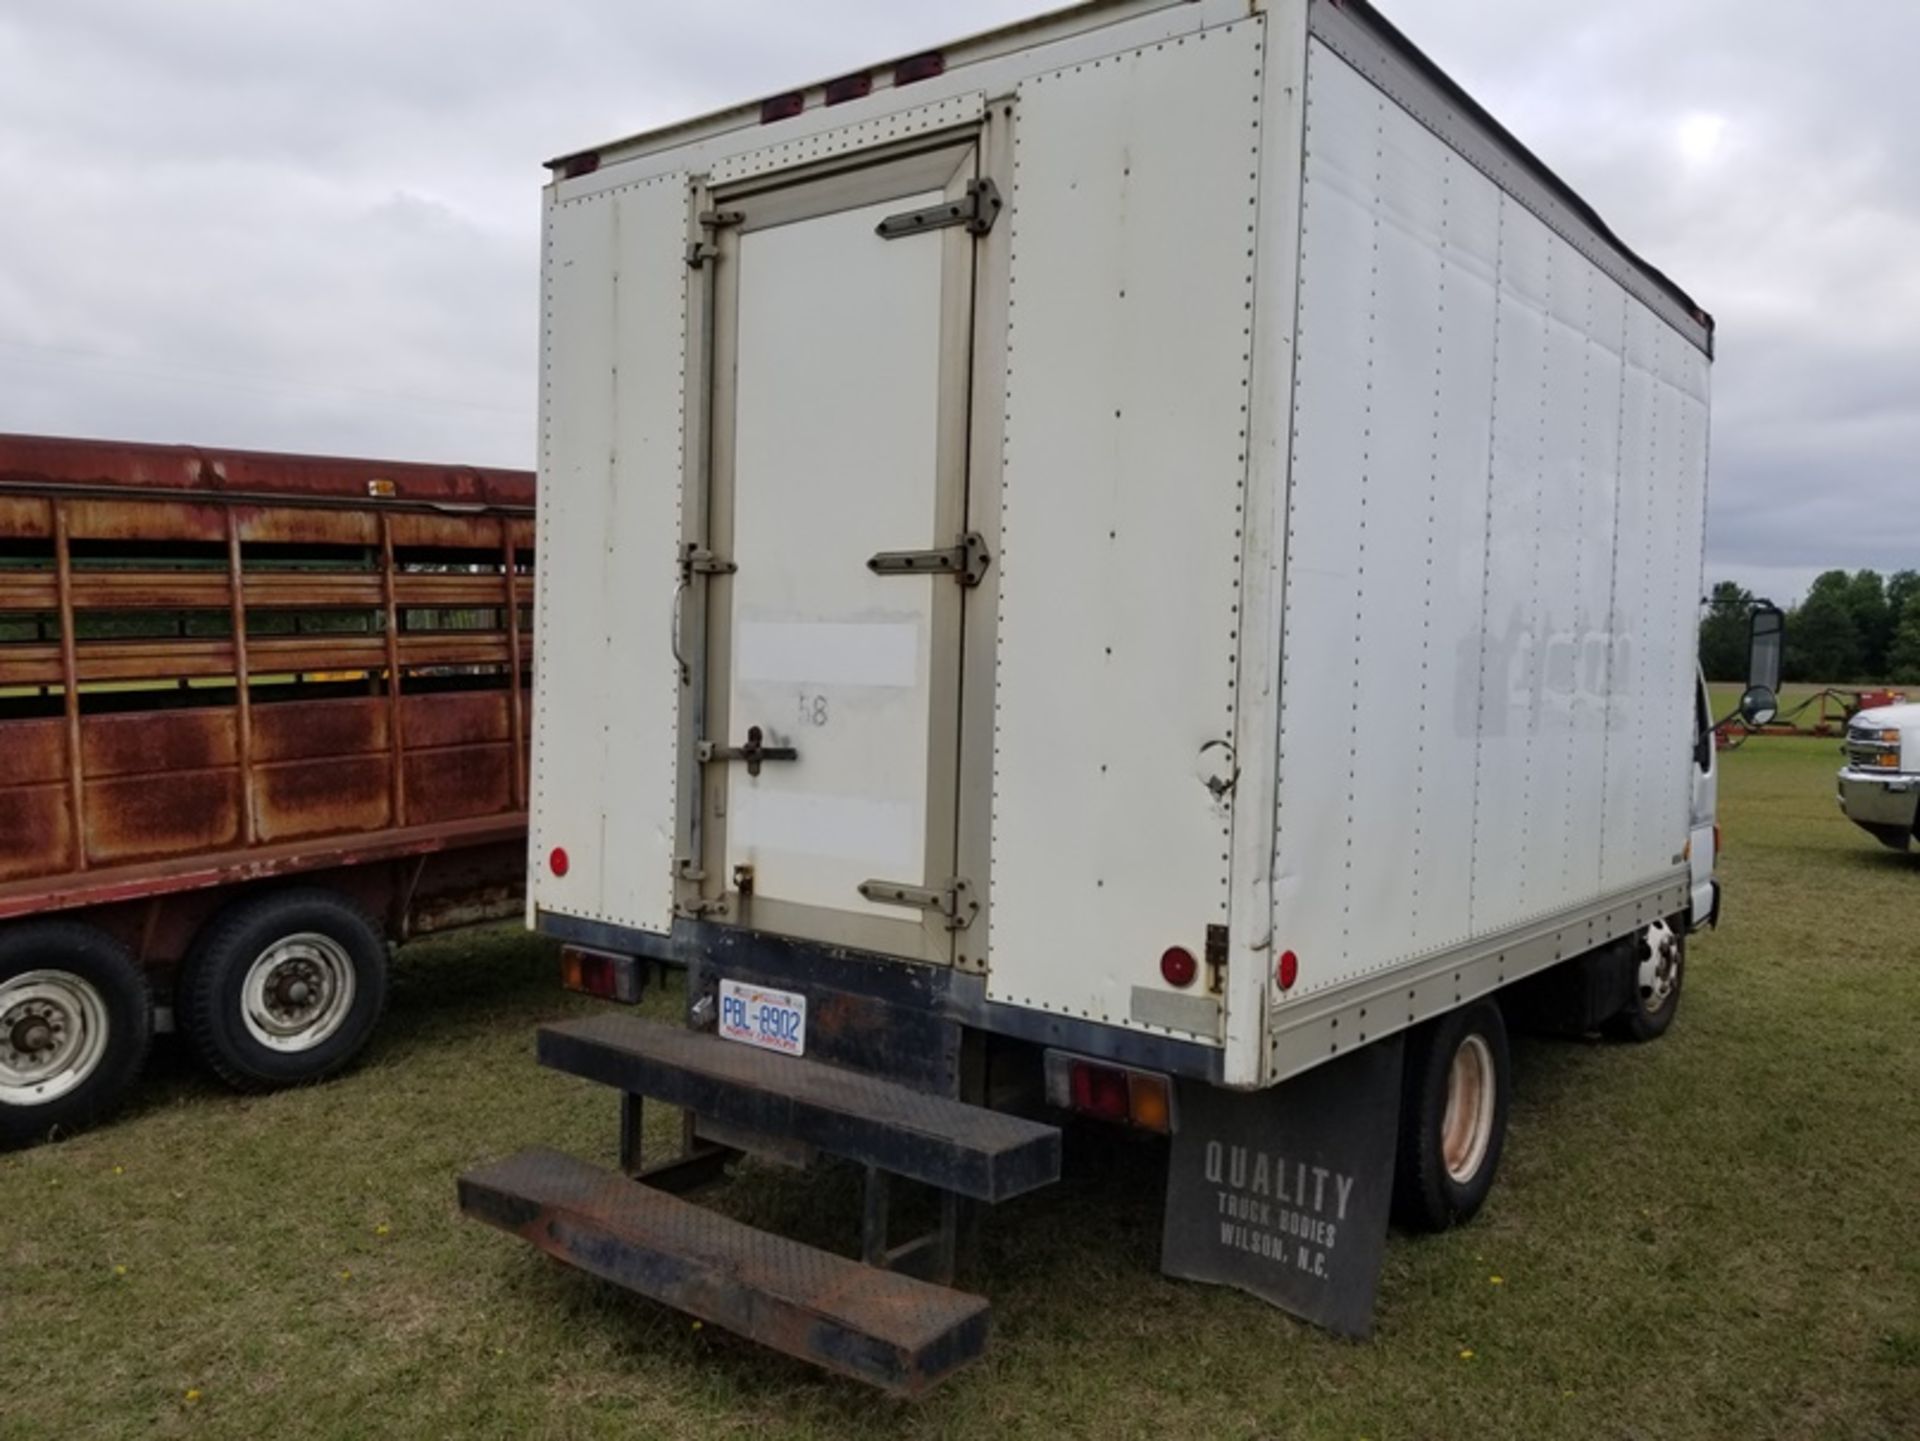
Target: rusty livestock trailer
[(260, 717)]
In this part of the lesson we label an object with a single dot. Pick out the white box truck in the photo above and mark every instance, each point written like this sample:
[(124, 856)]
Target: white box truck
[(1142, 564)]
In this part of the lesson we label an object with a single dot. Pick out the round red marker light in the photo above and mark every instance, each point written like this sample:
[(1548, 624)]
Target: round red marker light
[(557, 861), (1288, 970), (1178, 967)]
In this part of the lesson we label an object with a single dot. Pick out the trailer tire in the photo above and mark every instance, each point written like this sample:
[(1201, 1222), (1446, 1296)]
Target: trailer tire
[(1660, 961), (75, 1024), (1453, 1117), (284, 988)]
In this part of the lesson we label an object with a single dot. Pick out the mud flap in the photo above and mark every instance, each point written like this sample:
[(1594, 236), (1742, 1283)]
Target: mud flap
[(1285, 1193)]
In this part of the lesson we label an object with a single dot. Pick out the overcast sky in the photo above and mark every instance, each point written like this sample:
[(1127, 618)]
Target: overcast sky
[(300, 226)]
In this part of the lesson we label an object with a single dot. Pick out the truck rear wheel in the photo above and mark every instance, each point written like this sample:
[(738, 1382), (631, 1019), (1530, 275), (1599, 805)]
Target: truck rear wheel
[(1661, 966), (1453, 1117), (284, 988), (74, 1028)]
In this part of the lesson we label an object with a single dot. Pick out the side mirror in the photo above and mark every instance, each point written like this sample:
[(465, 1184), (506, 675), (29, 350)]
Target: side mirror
[(1759, 705), (1766, 639)]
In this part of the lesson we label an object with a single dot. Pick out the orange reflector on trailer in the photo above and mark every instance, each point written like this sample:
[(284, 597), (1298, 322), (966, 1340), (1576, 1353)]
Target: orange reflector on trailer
[(1150, 1101)]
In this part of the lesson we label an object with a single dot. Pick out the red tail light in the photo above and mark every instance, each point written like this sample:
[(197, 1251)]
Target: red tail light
[(598, 973), (557, 861), (1287, 970), (1178, 967), (1110, 1093), (1100, 1091)]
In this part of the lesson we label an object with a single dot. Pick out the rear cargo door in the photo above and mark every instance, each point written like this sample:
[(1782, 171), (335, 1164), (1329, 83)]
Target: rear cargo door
[(843, 309)]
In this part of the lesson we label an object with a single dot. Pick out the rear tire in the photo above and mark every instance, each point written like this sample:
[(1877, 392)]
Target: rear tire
[(75, 1024), (284, 988), (1453, 1117)]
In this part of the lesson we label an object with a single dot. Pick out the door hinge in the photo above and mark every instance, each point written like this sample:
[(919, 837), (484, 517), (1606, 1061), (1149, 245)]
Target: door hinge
[(954, 902), (697, 560), (699, 252), (966, 562), (977, 210)]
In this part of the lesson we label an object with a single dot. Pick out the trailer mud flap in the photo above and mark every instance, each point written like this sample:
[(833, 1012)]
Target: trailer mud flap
[(1285, 1193)]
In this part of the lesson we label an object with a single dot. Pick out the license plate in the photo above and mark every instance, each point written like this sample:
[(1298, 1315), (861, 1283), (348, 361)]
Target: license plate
[(760, 1016)]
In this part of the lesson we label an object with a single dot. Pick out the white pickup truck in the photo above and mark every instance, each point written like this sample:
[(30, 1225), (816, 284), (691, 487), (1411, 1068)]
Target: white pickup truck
[(1879, 786)]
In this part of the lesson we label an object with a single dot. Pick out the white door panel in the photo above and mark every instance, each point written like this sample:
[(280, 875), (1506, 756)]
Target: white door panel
[(840, 445), (838, 392)]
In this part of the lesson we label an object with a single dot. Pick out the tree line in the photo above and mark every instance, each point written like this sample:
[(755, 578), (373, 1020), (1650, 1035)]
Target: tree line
[(1851, 628)]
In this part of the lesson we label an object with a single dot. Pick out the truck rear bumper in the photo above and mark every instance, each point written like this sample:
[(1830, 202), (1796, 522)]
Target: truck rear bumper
[(1883, 806)]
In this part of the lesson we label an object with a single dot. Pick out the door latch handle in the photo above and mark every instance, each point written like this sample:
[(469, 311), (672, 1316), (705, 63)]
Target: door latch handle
[(754, 752)]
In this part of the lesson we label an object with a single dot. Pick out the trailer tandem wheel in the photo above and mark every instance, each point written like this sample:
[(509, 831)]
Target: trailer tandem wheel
[(284, 988), (74, 1028)]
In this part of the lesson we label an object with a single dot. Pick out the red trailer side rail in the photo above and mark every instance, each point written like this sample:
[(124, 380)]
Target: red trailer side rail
[(220, 670)]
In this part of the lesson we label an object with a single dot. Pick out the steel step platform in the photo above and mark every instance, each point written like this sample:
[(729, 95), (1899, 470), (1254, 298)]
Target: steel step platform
[(876, 1326), (969, 1150)]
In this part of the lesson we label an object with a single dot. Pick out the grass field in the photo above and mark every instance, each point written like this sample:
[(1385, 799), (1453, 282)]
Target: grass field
[(1717, 1236)]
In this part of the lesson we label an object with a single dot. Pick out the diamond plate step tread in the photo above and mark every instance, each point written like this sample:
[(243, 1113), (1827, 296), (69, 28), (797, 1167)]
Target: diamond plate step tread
[(880, 1327), (969, 1150)]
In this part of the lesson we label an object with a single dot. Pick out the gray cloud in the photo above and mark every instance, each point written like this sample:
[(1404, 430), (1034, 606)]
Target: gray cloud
[(314, 227)]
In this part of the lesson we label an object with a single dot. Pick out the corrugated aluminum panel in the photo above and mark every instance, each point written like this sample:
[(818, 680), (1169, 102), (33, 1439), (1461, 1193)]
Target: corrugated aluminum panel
[(1491, 540)]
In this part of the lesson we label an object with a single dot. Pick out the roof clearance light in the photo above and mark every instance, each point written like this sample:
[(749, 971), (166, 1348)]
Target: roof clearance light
[(1178, 967), (1288, 970), (849, 87), (585, 163), (920, 67), (782, 107)]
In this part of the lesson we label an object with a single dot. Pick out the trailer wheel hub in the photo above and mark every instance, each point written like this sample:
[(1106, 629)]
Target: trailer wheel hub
[(297, 992), (1466, 1127), (53, 1033)]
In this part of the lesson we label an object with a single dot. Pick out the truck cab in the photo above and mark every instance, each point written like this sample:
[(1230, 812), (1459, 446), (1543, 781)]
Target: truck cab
[(1879, 786)]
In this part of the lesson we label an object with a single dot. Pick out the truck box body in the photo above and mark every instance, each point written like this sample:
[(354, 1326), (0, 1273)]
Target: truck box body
[(1170, 476)]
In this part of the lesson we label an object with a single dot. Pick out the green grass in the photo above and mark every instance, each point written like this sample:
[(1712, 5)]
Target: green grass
[(1714, 1236)]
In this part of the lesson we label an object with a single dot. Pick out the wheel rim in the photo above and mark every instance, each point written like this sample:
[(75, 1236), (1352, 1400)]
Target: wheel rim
[(1660, 959), (1467, 1127), (297, 992), (53, 1036)]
